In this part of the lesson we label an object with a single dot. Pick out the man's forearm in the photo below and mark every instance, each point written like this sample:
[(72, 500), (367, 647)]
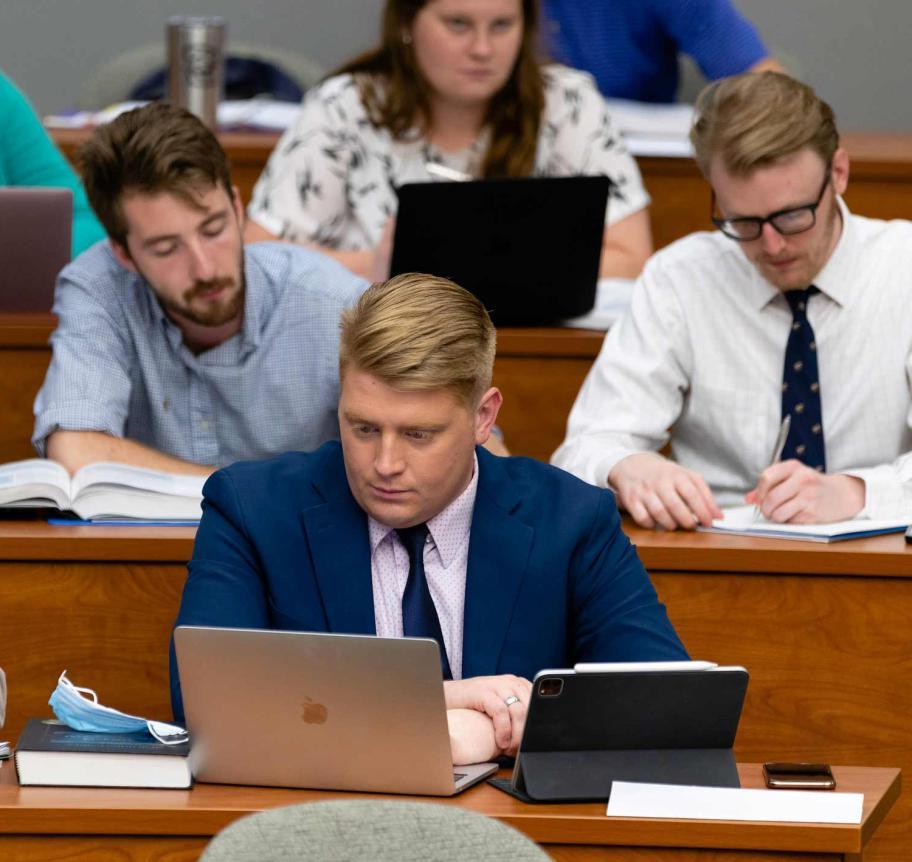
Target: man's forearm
[(75, 449)]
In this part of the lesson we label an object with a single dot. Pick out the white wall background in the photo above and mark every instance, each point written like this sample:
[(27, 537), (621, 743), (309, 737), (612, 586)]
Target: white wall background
[(857, 53)]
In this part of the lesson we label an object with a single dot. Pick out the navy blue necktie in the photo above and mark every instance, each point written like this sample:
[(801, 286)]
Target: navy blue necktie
[(801, 386), (419, 616)]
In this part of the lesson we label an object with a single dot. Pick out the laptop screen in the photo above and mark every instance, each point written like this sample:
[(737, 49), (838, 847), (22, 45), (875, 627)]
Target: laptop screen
[(528, 248)]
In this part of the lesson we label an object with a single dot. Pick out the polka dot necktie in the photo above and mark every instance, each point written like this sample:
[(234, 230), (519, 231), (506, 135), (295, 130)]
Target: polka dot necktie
[(801, 386), (419, 616)]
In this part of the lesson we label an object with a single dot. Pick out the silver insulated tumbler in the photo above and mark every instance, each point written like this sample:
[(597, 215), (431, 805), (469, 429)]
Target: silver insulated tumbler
[(196, 54)]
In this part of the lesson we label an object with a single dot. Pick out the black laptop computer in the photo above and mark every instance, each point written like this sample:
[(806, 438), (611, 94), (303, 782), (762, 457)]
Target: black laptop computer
[(35, 226), (528, 248)]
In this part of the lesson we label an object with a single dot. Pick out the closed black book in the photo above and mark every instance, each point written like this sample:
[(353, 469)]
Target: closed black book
[(54, 754)]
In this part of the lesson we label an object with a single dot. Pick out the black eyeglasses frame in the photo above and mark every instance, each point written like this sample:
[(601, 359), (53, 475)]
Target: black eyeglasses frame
[(723, 223)]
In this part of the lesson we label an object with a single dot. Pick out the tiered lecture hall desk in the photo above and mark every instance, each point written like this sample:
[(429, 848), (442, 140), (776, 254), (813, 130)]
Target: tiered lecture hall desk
[(823, 629)]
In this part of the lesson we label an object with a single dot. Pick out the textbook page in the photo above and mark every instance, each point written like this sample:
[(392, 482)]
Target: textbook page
[(106, 490), (34, 482)]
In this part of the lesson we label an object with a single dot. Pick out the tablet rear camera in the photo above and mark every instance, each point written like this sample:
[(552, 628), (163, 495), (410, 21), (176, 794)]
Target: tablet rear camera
[(550, 687)]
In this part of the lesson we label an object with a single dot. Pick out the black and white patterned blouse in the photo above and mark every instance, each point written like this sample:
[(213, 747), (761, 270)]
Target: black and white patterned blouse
[(332, 177)]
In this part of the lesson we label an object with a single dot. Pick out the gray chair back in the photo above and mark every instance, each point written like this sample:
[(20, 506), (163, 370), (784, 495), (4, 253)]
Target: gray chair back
[(379, 830)]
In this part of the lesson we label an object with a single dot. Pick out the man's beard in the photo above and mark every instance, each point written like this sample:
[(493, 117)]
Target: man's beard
[(214, 313)]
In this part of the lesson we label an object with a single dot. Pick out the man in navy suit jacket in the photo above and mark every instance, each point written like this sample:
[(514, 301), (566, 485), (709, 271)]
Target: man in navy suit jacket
[(526, 566)]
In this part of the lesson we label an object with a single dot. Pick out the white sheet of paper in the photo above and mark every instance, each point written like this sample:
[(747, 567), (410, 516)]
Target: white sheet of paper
[(630, 799), (612, 299)]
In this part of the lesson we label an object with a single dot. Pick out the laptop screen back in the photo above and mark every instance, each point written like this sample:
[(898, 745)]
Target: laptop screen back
[(35, 226), (528, 248)]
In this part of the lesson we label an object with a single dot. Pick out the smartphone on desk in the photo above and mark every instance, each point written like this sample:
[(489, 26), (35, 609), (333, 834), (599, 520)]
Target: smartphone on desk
[(799, 776), (909, 535)]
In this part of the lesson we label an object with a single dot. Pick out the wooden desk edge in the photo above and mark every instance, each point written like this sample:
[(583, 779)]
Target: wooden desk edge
[(38, 541), (214, 808), (870, 823)]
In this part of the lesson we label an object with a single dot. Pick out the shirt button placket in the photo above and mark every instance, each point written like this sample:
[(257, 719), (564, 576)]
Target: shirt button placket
[(204, 441)]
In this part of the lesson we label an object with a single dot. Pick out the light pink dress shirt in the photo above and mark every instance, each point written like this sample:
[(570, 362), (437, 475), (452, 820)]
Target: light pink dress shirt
[(446, 556)]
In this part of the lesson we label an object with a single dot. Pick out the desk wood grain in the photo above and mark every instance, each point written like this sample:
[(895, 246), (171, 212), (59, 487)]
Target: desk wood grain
[(143, 824)]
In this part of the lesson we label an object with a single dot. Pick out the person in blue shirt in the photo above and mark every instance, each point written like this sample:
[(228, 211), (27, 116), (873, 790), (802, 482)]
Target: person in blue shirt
[(631, 47), (410, 527), (28, 157), (176, 348)]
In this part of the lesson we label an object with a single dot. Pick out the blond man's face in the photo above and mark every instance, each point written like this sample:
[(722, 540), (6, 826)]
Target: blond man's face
[(408, 455)]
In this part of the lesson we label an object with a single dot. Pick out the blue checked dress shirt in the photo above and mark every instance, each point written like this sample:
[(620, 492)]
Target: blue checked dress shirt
[(120, 365)]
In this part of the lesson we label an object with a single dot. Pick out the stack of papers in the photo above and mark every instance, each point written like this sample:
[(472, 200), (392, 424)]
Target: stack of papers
[(653, 130), (739, 521), (266, 114)]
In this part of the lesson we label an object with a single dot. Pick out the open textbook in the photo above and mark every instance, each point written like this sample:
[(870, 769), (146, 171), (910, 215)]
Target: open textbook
[(101, 491), (740, 521)]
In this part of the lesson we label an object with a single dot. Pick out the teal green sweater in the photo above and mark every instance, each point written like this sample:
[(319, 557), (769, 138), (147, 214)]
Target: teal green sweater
[(28, 157)]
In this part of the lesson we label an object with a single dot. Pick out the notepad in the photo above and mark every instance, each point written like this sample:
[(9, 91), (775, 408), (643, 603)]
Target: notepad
[(739, 521)]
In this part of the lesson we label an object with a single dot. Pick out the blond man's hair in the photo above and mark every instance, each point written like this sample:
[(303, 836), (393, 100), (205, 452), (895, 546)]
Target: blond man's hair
[(419, 332), (752, 120)]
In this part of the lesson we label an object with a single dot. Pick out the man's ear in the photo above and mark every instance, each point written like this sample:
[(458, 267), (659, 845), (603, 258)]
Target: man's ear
[(238, 205), (122, 253), (486, 414), (840, 170)]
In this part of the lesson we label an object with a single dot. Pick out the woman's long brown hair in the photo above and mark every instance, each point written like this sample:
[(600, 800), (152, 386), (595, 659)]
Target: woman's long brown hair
[(402, 102)]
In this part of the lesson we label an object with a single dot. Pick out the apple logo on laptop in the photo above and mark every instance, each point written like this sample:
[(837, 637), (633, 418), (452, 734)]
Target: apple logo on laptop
[(313, 712)]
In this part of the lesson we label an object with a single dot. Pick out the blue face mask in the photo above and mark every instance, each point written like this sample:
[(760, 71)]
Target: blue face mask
[(75, 709)]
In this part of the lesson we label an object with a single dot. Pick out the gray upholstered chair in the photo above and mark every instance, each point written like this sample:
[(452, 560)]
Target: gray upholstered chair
[(385, 831)]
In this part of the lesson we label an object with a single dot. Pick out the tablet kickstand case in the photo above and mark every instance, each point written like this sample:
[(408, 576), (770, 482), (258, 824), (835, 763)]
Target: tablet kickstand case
[(666, 727)]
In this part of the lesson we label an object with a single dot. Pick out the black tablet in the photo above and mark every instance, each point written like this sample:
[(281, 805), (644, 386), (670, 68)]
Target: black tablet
[(587, 728)]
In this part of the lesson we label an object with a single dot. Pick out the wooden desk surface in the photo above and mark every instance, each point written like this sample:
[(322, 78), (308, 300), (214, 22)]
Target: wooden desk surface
[(207, 808), (879, 556)]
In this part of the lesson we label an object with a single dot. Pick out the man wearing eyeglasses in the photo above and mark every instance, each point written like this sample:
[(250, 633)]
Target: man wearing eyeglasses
[(793, 308)]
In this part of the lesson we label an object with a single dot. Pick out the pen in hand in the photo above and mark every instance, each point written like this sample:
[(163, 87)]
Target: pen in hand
[(777, 451)]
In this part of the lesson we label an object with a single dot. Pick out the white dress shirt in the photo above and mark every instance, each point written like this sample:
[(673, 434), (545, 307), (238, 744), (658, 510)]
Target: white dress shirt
[(446, 558), (699, 356)]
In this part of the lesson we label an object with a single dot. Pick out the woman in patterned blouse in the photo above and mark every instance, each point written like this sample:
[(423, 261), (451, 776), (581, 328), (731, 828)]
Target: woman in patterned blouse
[(454, 84)]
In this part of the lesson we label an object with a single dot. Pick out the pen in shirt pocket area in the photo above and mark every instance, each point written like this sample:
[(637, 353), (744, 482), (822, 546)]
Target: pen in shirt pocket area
[(777, 452)]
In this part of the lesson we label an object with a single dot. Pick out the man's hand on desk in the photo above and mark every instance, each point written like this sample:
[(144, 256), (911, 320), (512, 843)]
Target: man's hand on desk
[(471, 737), (658, 492), (791, 492), (489, 695)]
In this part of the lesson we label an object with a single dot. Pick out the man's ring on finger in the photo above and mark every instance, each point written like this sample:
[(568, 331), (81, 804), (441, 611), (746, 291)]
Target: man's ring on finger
[(509, 701)]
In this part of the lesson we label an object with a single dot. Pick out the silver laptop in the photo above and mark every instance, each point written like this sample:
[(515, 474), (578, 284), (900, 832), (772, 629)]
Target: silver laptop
[(322, 711), (35, 228)]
